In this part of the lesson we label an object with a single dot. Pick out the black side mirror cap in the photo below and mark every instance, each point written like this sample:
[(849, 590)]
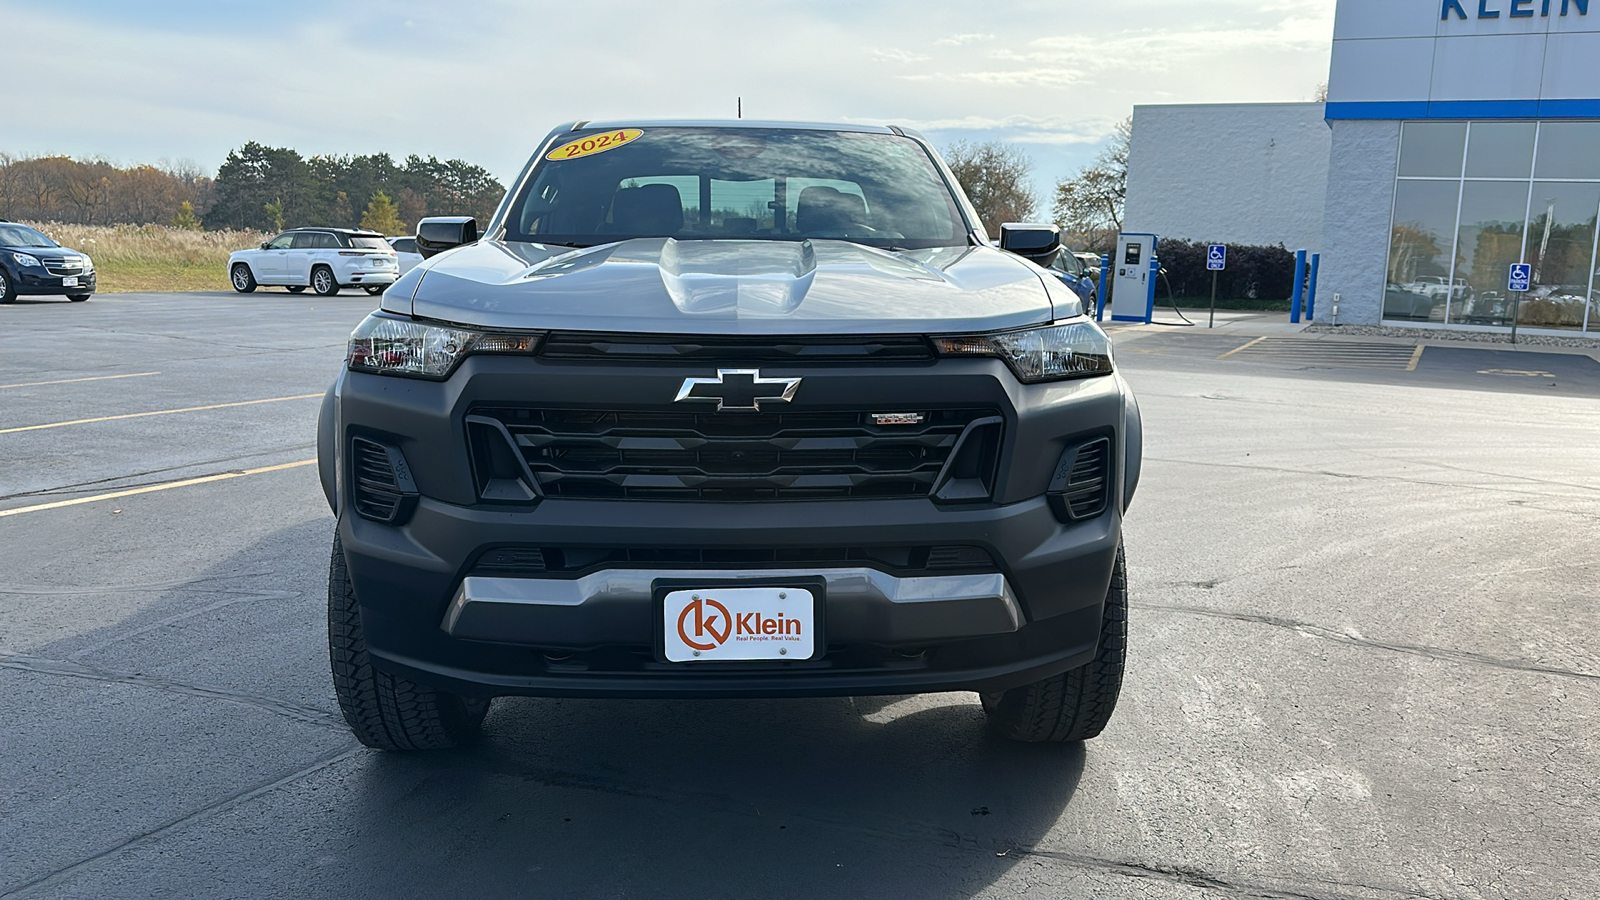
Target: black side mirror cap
[(437, 234), (1038, 243)]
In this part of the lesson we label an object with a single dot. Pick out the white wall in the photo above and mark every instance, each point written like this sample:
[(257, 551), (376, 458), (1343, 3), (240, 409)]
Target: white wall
[(1360, 203), (1230, 173), (1407, 51)]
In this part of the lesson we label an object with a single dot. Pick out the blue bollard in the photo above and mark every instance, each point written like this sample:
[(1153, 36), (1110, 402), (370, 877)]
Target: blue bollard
[(1105, 276), (1311, 289), (1299, 286)]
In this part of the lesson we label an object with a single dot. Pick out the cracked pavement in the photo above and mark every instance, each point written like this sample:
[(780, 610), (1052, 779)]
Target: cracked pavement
[(1363, 665)]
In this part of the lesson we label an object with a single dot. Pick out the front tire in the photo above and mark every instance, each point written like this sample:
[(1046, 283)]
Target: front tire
[(373, 289), (8, 291), (78, 298), (323, 282), (1075, 705), (385, 711), (244, 280), (295, 288)]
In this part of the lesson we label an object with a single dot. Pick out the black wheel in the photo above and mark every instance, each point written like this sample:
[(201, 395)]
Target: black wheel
[(383, 710), (296, 288), (8, 292), (244, 280), (323, 282), (1075, 705), (78, 298), (374, 289)]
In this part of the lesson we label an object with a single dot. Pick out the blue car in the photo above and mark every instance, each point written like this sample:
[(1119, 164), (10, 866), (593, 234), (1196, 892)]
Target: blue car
[(1085, 283), (31, 263)]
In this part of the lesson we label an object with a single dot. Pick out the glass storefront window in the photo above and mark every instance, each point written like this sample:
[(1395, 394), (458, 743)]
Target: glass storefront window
[(1419, 250), (1501, 150), (1569, 150), (1561, 236), (1488, 242), (1432, 149), (1471, 199)]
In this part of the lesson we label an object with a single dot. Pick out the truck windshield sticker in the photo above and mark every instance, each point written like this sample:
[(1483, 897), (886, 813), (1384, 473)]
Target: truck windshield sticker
[(593, 144)]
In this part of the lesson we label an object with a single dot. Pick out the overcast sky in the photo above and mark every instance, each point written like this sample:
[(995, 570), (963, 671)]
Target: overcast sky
[(483, 80)]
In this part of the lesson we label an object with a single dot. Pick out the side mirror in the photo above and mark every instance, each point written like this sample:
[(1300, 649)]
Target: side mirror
[(437, 234), (1040, 244), (264, 244)]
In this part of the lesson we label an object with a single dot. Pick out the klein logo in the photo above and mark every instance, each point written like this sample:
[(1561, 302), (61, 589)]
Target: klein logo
[(1519, 9), (705, 624), (738, 390)]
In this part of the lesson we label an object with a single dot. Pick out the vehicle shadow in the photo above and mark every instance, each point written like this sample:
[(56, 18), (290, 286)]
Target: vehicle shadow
[(879, 797), (892, 796)]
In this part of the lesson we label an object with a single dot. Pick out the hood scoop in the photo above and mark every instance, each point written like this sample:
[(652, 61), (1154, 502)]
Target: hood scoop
[(760, 279)]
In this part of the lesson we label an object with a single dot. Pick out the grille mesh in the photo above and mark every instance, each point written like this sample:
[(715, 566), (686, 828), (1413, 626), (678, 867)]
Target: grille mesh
[(695, 455)]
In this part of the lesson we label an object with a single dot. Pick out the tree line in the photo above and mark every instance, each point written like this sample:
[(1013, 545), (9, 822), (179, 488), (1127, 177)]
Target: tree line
[(258, 187), (997, 178)]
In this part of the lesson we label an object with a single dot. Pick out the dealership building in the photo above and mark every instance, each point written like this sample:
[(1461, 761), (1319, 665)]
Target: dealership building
[(1459, 137)]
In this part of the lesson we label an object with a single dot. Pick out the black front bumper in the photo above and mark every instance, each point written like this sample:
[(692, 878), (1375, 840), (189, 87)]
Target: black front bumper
[(34, 281), (545, 634)]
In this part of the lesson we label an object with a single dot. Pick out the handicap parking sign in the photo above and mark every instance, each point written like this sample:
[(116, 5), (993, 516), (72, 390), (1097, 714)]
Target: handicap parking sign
[(1521, 277), (1217, 257)]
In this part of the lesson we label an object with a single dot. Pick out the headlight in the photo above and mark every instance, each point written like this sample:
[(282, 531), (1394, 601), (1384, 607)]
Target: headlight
[(393, 346), (25, 260), (1052, 353), (88, 264)]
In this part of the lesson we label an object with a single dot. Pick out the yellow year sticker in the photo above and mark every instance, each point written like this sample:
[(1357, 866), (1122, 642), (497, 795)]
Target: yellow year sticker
[(598, 143)]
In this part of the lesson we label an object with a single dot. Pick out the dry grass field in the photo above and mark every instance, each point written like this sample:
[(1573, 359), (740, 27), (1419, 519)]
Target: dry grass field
[(154, 257)]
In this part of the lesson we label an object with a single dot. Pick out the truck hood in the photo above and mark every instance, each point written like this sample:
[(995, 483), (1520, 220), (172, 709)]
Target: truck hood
[(667, 286)]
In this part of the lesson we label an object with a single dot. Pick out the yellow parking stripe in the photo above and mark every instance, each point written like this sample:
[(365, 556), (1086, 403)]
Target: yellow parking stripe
[(152, 488), (76, 380), (159, 412), (1416, 358), (1245, 347)]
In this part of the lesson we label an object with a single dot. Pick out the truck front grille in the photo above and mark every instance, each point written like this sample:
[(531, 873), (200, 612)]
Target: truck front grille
[(687, 455)]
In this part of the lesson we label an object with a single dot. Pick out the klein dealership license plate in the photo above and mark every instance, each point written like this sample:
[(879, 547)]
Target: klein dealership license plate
[(70, 281), (727, 624)]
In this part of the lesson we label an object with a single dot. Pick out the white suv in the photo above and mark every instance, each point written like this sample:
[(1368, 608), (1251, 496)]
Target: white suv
[(323, 259)]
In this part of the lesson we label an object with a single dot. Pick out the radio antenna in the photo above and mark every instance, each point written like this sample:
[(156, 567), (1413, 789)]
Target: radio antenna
[(740, 109)]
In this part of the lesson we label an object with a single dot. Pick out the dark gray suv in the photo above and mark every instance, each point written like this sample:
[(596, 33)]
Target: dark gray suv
[(727, 410)]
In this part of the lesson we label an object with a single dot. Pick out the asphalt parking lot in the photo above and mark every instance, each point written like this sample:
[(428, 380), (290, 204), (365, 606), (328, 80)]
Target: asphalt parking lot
[(1363, 658)]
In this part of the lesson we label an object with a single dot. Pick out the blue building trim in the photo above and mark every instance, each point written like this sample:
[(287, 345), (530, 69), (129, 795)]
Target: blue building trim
[(1464, 109)]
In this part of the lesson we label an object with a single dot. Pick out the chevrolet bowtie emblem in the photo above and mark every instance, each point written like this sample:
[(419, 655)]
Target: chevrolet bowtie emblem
[(738, 390)]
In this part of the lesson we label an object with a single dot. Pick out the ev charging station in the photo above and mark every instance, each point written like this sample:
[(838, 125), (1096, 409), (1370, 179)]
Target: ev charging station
[(1133, 290)]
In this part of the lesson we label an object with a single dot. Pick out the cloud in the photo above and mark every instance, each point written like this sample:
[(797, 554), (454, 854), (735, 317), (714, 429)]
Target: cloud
[(959, 40), (485, 81), (892, 55)]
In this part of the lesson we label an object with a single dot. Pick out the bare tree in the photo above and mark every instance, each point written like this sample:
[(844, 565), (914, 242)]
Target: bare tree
[(997, 178), (1088, 206)]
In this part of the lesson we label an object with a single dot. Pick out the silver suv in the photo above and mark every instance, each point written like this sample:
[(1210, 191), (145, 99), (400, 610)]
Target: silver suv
[(323, 259), (728, 409)]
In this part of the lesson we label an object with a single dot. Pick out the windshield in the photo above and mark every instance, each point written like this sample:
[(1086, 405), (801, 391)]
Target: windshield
[(882, 190), (364, 242), (23, 236)]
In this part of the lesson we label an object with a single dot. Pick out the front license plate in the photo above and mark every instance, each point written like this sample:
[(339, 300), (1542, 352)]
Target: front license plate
[(70, 281), (755, 623)]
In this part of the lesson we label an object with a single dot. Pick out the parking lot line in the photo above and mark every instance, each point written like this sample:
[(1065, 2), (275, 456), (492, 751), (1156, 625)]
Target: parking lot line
[(1312, 352), (76, 380), (1245, 347), (159, 412), (152, 488), (1416, 358)]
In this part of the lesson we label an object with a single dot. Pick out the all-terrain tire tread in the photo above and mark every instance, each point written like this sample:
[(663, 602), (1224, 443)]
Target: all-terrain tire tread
[(383, 710), (1075, 705)]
